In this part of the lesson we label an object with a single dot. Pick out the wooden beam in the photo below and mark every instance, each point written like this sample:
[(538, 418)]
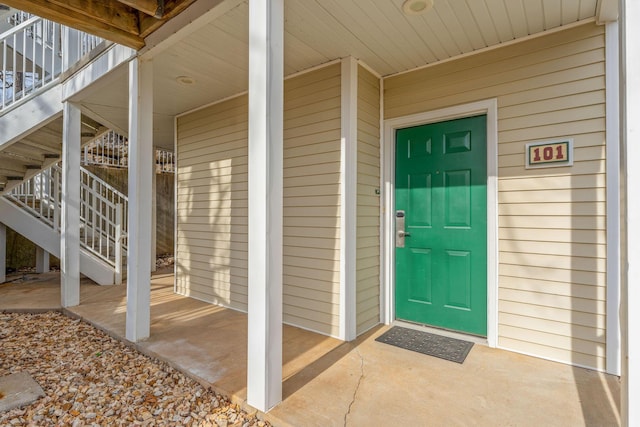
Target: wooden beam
[(150, 7), (149, 24), (107, 19)]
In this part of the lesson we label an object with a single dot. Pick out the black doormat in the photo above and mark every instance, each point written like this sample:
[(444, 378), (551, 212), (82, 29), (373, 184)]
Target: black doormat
[(423, 342)]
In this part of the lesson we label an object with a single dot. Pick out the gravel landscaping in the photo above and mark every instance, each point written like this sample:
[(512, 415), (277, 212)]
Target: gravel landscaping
[(92, 379)]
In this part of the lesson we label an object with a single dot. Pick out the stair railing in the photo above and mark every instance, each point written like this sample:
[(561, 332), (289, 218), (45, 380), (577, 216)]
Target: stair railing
[(103, 211), (112, 149), (31, 55)]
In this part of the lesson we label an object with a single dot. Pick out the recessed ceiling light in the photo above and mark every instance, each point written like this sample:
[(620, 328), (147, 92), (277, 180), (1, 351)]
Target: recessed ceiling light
[(185, 80), (416, 7)]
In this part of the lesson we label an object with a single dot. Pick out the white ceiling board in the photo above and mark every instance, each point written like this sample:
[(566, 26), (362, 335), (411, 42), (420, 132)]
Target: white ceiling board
[(377, 32)]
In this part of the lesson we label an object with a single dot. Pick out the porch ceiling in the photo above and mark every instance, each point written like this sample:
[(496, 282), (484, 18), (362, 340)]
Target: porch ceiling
[(213, 54)]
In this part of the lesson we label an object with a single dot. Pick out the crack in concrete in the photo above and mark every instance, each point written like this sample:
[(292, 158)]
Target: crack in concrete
[(355, 392)]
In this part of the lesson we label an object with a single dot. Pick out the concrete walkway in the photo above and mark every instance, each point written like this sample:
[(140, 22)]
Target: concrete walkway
[(331, 383)]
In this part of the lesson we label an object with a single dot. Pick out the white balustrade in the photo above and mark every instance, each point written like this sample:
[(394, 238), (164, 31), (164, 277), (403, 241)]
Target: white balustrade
[(103, 210), (112, 150), (31, 55)]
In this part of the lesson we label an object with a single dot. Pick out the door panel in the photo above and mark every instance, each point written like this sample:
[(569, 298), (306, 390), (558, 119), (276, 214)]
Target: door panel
[(441, 189)]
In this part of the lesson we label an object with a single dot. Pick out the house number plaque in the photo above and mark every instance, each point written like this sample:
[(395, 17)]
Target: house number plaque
[(547, 154)]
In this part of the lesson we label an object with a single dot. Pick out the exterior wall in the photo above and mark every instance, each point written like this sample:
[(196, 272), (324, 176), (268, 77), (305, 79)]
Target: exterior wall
[(312, 200), (368, 205), (211, 251), (552, 237), (211, 260)]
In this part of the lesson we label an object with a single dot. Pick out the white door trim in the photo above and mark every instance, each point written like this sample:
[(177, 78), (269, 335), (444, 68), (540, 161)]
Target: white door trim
[(490, 108)]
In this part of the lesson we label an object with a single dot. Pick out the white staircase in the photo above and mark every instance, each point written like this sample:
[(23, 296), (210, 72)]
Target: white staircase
[(34, 53), (33, 209)]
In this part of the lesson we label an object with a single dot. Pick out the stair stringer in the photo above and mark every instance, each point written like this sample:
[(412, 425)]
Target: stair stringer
[(29, 115), (49, 240)]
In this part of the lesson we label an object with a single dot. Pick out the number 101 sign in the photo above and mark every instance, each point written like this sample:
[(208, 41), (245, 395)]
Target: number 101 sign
[(547, 154)]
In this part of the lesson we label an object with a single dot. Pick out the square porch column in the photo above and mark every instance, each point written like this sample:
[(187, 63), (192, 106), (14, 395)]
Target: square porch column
[(70, 219), (42, 260), (138, 319), (264, 364), (630, 176)]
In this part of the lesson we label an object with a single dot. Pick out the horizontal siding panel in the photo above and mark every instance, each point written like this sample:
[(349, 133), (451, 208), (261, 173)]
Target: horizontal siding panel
[(311, 286), (311, 264), (575, 345), (562, 196), (321, 222), (321, 147), (556, 275), (551, 222), (556, 209), (546, 118), (553, 130), (325, 233), (324, 211), (304, 181), (554, 261), (368, 203), (310, 325), (566, 356), (309, 292), (556, 103), (557, 301), (579, 168), (556, 235), (311, 242), (553, 183), (312, 190), (591, 320), (311, 201), (566, 289), (553, 248), (550, 327)]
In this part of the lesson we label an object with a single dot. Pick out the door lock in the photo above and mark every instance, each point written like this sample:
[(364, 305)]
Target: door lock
[(400, 233)]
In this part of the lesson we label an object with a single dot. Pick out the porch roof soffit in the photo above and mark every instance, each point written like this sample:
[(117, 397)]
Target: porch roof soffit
[(126, 22)]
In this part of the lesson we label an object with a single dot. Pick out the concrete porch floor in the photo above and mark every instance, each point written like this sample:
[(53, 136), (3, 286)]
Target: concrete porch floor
[(331, 383)]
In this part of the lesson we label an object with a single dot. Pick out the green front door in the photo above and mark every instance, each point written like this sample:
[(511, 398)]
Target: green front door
[(441, 201)]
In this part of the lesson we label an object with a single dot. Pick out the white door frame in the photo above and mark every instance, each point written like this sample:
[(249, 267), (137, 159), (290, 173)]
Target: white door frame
[(490, 108)]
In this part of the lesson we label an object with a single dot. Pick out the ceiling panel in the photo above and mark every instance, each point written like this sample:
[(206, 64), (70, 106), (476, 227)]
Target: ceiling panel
[(377, 32)]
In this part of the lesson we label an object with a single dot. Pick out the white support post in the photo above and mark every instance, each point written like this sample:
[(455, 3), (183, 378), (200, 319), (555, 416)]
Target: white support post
[(630, 271), (70, 220), (140, 188), (154, 211), (42, 260), (56, 198), (3, 253), (348, 198), (266, 82), (118, 246), (71, 51)]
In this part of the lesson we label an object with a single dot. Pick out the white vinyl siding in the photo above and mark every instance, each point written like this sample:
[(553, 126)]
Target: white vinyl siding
[(368, 205), (552, 237), (211, 253)]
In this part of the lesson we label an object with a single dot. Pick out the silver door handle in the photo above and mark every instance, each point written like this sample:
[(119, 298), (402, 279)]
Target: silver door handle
[(403, 234)]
